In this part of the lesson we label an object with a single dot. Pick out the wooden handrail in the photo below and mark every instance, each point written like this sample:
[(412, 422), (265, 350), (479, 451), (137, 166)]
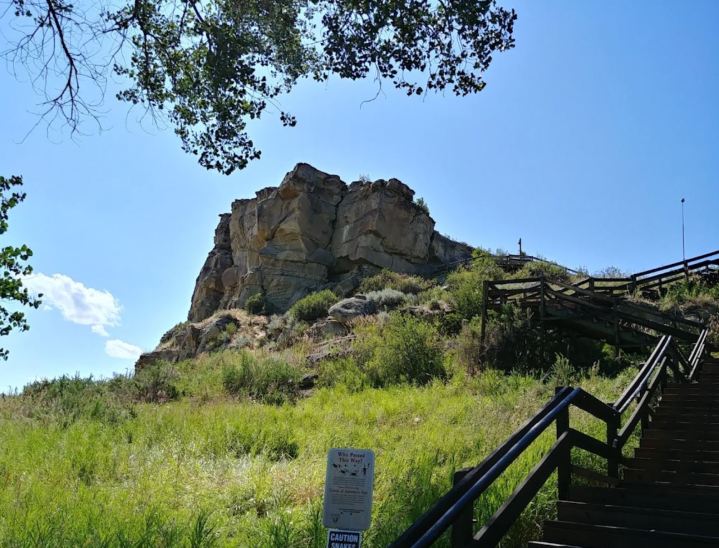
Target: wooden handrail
[(678, 263), (410, 536), (455, 504), (630, 392)]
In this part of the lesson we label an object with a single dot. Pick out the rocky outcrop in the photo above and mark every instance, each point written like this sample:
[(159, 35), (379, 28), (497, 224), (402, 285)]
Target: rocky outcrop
[(312, 232), (224, 329), (353, 307)]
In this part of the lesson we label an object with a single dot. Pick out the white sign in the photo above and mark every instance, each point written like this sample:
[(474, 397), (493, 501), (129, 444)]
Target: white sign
[(337, 538), (348, 489)]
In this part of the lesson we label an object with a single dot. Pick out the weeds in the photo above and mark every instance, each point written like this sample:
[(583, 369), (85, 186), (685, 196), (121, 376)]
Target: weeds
[(313, 306), (268, 380), (387, 279)]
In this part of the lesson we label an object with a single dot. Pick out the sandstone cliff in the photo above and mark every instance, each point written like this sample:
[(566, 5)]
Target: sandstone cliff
[(315, 231)]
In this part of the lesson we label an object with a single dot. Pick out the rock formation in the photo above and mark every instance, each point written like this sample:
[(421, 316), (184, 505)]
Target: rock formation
[(313, 232)]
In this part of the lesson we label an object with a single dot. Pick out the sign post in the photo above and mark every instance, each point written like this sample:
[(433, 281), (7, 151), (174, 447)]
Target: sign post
[(348, 496)]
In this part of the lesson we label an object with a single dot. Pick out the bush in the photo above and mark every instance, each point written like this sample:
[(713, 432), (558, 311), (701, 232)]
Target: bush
[(267, 380), (344, 371), (469, 346), (388, 298), (687, 291), (155, 383), (465, 285), (510, 344), (402, 350), (387, 279), (563, 372), (537, 269), (611, 272), (67, 399), (255, 304), (313, 306), (422, 204)]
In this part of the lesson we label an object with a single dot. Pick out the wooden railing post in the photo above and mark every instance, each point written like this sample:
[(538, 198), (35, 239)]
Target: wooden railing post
[(564, 466), (483, 327), (615, 451), (463, 527)]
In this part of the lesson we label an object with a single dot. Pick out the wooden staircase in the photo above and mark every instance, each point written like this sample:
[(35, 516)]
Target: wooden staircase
[(669, 492)]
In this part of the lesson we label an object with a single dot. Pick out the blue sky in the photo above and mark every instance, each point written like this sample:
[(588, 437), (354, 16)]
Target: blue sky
[(585, 139)]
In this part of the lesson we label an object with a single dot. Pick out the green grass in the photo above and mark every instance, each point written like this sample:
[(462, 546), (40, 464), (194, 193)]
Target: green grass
[(207, 469)]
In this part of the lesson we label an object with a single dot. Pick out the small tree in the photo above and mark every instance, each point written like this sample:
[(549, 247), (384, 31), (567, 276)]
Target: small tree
[(14, 267)]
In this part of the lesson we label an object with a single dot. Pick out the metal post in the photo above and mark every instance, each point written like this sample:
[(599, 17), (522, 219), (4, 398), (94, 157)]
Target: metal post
[(463, 527), (684, 256)]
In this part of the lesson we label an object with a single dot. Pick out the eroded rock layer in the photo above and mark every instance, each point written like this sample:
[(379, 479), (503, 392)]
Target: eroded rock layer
[(312, 232)]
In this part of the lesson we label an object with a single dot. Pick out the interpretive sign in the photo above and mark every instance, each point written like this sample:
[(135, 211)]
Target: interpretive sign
[(344, 539), (348, 489)]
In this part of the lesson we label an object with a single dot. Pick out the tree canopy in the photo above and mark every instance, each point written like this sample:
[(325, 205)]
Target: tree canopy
[(13, 266), (210, 66)]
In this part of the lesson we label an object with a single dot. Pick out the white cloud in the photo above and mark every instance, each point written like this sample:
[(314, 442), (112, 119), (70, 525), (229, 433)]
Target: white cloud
[(100, 330), (115, 348), (76, 302)]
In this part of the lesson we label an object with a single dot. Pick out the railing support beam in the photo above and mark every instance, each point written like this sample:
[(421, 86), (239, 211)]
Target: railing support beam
[(564, 462), (463, 527)]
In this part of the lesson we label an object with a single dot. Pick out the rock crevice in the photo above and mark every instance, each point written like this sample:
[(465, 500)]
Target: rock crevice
[(312, 232)]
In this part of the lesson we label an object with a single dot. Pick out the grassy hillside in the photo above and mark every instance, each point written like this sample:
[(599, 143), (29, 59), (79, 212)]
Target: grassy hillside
[(229, 449), (85, 464)]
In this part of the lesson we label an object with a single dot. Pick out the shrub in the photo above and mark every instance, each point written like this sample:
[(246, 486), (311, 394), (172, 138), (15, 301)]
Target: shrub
[(465, 284), (255, 304), (173, 331), (267, 380), (563, 372), (402, 350), (231, 329), (469, 347), (466, 293), (611, 272), (536, 269), (344, 371), (688, 291), (509, 342), (450, 323), (387, 298), (313, 306), (422, 204), (387, 279), (155, 383), (67, 399)]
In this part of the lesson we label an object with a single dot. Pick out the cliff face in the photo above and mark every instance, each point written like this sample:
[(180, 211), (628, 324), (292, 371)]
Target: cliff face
[(315, 231)]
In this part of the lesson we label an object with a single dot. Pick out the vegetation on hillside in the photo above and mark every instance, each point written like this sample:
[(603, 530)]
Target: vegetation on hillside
[(229, 449), (93, 463)]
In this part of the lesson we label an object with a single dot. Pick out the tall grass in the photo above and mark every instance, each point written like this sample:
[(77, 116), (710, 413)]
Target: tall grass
[(207, 469)]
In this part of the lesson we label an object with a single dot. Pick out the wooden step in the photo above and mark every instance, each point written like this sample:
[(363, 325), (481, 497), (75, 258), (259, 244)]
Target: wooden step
[(676, 465), (639, 518), (687, 416), (687, 445), (689, 400), (684, 434), (602, 536), (692, 390), (689, 499), (674, 401), (670, 477), (669, 424), (676, 454), (543, 544), (687, 408)]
